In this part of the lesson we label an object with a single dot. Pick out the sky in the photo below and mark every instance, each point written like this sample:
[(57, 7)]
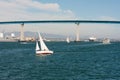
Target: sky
[(14, 10)]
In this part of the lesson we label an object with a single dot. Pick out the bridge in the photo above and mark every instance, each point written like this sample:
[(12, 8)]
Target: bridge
[(77, 22), (61, 21)]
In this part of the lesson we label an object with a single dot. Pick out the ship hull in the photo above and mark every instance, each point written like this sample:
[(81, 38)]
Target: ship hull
[(44, 52)]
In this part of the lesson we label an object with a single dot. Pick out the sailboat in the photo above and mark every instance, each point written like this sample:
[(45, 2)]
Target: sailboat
[(42, 49), (106, 41), (68, 40)]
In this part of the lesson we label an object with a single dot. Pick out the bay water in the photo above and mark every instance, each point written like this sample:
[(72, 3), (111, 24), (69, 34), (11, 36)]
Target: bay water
[(73, 61)]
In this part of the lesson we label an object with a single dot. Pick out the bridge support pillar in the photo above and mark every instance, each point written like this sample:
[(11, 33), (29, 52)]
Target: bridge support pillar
[(77, 33), (22, 32)]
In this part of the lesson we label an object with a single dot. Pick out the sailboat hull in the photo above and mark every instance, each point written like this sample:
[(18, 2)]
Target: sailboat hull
[(44, 52)]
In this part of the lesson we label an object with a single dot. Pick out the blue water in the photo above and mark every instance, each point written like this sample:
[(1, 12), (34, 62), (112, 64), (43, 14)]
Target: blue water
[(74, 61)]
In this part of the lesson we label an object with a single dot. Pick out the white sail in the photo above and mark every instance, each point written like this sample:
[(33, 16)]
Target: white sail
[(42, 44), (67, 39), (37, 46)]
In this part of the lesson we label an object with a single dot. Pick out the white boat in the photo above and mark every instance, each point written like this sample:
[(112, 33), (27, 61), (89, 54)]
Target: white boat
[(92, 38), (68, 40), (42, 50), (106, 41)]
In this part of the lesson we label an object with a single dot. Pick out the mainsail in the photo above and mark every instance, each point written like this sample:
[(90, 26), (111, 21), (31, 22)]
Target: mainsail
[(42, 44), (67, 39)]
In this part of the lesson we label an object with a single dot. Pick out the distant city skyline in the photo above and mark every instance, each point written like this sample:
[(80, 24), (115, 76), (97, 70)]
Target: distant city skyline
[(12, 10)]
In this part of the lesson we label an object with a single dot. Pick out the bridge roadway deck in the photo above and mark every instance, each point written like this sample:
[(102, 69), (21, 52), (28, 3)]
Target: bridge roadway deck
[(61, 21)]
